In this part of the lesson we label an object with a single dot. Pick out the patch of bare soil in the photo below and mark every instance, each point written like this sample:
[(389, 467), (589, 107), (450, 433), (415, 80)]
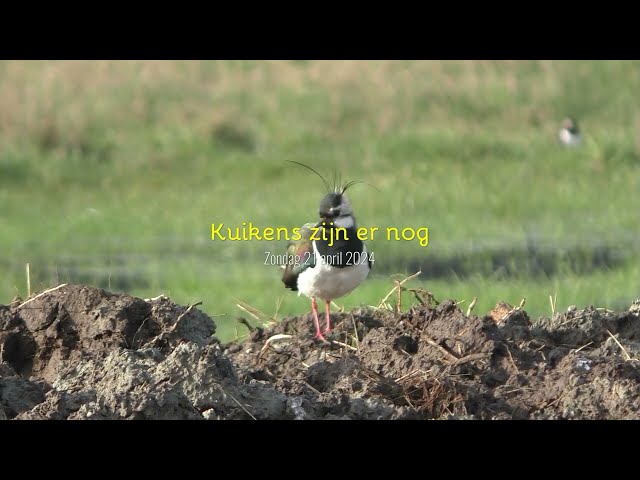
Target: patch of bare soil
[(78, 352), (438, 363)]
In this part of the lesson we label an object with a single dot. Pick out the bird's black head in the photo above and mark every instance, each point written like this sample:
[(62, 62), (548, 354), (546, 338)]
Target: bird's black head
[(571, 124), (334, 205)]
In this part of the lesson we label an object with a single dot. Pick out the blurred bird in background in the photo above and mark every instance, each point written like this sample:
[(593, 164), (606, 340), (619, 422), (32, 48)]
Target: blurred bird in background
[(569, 134)]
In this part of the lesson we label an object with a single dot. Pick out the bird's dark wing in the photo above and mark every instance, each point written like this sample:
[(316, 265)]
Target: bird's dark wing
[(299, 257)]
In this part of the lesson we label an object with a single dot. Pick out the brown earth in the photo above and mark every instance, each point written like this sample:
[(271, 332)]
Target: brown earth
[(78, 352)]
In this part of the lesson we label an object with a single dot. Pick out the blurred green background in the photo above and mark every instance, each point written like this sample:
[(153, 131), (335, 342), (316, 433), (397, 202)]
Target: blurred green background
[(111, 174)]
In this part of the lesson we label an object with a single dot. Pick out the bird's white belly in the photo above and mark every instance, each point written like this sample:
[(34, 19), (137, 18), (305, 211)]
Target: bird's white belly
[(569, 138), (328, 282)]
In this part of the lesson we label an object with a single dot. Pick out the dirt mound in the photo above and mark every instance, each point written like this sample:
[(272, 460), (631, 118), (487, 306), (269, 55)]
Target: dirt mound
[(77, 352), (439, 363)]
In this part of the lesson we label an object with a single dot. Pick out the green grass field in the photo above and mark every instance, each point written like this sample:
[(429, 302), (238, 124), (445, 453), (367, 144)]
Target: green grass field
[(111, 174)]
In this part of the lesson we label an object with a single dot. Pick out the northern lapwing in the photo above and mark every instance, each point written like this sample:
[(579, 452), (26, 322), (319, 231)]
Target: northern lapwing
[(329, 261), (569, 134)]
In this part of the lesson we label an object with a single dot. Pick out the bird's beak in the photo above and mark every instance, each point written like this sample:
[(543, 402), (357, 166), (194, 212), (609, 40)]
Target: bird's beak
[(327, 217)]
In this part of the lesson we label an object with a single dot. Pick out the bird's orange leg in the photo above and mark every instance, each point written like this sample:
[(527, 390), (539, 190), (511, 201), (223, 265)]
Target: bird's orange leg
[(314, 307), (328, 312)]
